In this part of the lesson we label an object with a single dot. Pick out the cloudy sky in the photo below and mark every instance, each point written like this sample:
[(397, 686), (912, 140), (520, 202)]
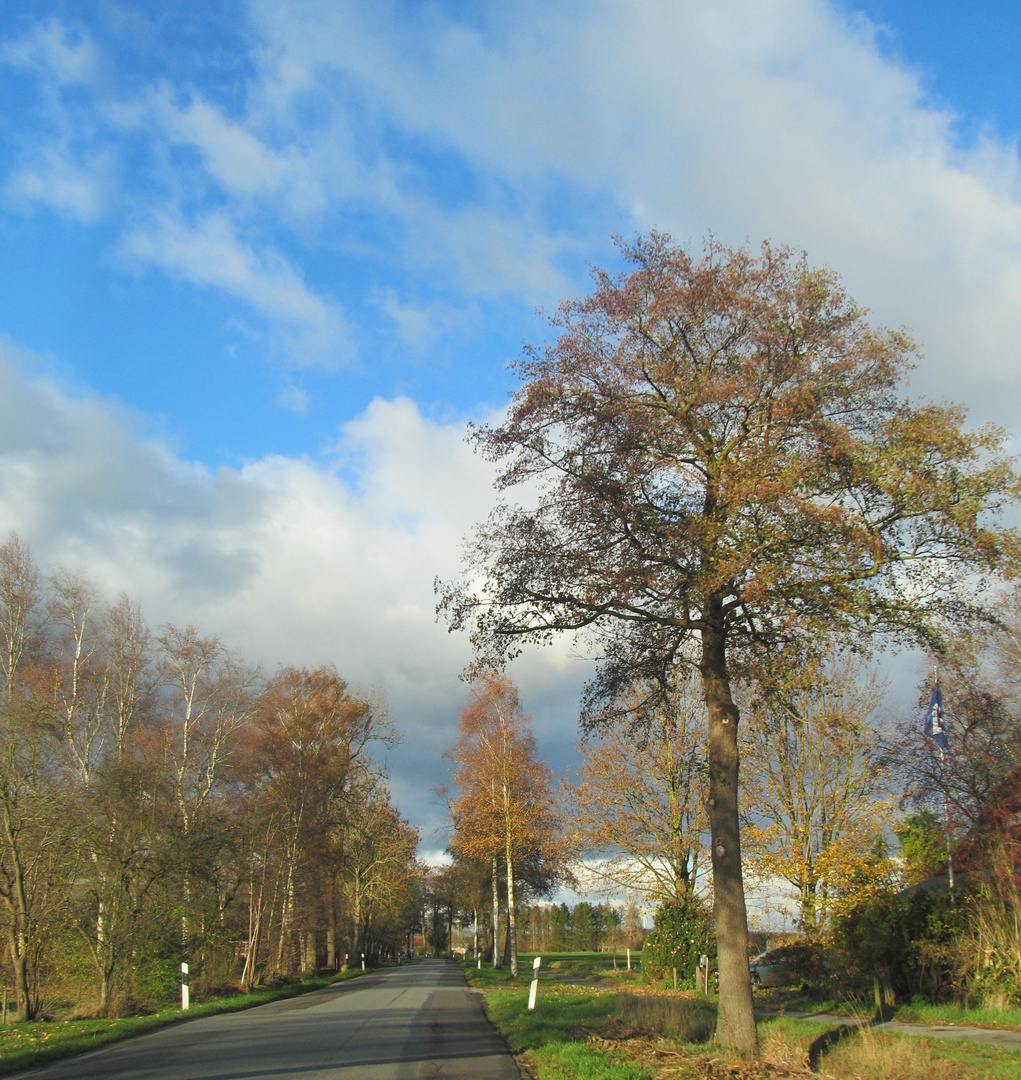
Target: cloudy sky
[(263, 260)]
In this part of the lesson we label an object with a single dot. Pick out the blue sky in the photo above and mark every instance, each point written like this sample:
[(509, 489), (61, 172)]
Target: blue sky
[(264, 259)]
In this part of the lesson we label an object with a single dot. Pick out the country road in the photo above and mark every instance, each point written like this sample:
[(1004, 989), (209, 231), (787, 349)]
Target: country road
[(416, 1022)]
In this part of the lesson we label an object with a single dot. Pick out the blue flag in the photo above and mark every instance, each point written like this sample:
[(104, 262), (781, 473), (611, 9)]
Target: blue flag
[(935, 724)]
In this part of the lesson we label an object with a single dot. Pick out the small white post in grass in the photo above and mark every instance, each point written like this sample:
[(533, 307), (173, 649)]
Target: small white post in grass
[(535, 983), (184, 987), (480, 961), (363, 961), (629, 959)]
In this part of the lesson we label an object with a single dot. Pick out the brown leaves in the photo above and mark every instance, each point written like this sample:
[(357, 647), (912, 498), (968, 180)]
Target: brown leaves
[(729, 425)]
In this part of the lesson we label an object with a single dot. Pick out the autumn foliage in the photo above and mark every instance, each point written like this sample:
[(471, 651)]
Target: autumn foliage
[(720, 465), (503, 807), (161, 801)]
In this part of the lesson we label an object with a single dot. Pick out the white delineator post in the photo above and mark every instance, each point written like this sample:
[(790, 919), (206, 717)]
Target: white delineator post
[(629, 959), (532, 990), (184, 987)]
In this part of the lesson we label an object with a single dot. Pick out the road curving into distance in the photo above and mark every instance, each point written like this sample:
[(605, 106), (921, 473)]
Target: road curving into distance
[(414, 1022)]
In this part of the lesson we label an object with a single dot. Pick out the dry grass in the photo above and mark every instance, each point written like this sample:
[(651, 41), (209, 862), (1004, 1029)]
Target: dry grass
[(682, 1019), (780, 1048), (892, 1057)]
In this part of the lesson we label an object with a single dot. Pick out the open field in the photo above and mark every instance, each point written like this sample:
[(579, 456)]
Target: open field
[(26, 1045), (574, 965)]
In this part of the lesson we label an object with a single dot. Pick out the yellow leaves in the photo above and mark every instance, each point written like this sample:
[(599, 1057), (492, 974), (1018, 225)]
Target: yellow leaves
[(815, 786), (639, 804), (504, 796)]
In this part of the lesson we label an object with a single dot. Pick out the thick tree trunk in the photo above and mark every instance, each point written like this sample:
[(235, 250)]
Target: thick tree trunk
[(356, 928), (17, 932), (310, 954), (285, 951), (735, 1028)]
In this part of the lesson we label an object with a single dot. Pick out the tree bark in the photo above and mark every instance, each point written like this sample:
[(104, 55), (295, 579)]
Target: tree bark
[(331, 926), (512, 930), (735, 1027), (356, 897), (496, 917)]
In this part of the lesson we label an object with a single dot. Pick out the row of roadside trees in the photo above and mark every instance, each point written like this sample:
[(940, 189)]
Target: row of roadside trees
[(162, 800)]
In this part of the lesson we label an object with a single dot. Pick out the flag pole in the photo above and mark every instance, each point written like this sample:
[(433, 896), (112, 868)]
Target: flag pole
[(936, 728), (946, 821)]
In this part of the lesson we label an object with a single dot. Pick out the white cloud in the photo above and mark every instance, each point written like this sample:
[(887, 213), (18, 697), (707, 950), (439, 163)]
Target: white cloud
[(232, 154), (748, 117), (290, 560), (53, 49), (210, 253), (76, 189)]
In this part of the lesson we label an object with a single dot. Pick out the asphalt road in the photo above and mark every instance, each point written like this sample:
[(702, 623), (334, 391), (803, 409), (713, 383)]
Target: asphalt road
[(414, 1022)]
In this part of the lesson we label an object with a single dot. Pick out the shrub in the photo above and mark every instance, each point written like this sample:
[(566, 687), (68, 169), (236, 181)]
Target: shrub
[(682, 932), (904, 944)]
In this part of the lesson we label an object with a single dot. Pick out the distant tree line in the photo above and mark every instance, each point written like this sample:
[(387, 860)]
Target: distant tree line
[(162, 800)]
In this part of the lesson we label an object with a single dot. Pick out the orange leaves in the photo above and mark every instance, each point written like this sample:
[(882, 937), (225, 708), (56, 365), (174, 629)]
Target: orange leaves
[(503, 787)]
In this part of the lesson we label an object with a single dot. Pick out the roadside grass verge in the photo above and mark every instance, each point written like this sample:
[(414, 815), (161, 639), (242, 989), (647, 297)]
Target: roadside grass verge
[(554, 1038), (487, 977), (39, 1042), (578, 1033), (914, 1012), (920, 1013)]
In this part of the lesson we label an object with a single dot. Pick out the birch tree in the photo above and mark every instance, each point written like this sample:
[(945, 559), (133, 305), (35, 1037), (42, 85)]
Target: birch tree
[(209, 699), (818, 799), (503, 805)]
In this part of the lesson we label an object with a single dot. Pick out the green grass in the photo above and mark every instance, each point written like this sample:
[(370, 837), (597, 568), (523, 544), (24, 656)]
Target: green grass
[(576, 1061), (978, 1059), (25, 1045), (581, 965), (554, 1039), (1009, 1019), (913, 1012)]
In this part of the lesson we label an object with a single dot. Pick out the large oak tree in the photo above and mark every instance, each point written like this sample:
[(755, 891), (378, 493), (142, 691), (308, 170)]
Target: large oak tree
[(719, 460)]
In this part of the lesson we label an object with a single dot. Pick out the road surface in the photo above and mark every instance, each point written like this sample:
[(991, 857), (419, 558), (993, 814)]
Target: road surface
[(414, 1022)]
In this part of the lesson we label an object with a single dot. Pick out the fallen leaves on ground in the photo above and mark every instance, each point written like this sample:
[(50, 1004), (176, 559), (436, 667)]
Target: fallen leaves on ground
[(670, 1063)]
